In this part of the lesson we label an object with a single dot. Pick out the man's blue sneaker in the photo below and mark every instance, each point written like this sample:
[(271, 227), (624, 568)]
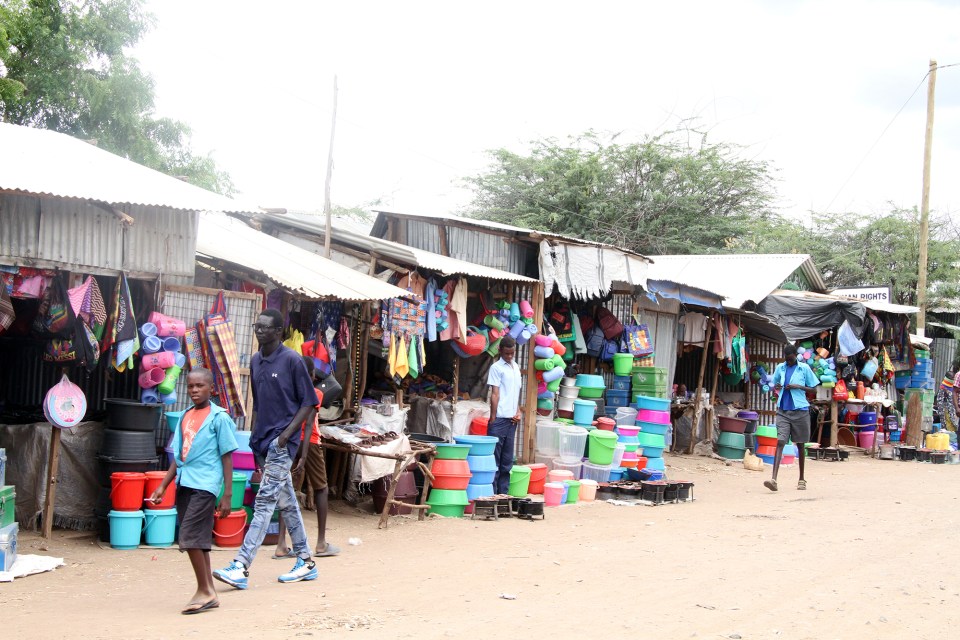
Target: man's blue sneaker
[(301, 571), (234, 574)]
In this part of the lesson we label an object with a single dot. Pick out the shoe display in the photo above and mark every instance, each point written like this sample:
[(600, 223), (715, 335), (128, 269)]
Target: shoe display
[(234, 574), (301, 571)]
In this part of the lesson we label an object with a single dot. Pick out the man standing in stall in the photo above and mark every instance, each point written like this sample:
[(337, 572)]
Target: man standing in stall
[(505, 410), (792, 380)]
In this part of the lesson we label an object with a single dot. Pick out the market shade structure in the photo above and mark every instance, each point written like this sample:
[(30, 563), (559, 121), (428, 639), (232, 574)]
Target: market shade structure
[(296, 270), (738, 278), (394, 251), (49, 163)]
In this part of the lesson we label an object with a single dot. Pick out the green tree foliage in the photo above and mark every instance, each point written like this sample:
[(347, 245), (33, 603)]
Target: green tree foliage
[(853, 250), (63, 67), (662, 195)]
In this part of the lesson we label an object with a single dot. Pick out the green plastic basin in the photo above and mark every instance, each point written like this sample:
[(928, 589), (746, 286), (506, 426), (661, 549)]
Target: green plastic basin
[(448, 510), (767, 431), (730, 453), (441, 497), (449, 451)]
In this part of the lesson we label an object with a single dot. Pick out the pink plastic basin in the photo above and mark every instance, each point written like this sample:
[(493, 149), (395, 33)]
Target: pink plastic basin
[(627, 429), (657, 417)]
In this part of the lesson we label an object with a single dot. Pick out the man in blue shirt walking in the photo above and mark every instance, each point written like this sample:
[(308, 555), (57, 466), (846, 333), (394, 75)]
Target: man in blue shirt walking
[(283, 398), (792, 380)]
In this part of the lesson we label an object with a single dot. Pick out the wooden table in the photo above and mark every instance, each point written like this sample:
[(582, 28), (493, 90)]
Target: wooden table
[(403, 460)]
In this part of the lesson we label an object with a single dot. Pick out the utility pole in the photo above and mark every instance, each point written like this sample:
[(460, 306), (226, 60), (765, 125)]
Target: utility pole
[(326, 185), (925, 204)]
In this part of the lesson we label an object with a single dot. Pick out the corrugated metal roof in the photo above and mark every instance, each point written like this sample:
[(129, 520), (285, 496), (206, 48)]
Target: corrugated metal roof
[(533, 235), (45, 162), (295, 269), (739, 278), (396, 252)]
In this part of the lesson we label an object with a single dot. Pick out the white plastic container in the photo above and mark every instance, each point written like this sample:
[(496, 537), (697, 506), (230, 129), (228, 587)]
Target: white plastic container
[(626, 416), (618, 451), (596, 472), (548, 438), (573, 441), (573, 467)]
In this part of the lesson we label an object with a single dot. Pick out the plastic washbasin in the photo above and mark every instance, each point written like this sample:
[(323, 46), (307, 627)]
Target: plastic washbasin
[(650, 440), (479, 445), (658, 417), (652, 403), (653, 428)]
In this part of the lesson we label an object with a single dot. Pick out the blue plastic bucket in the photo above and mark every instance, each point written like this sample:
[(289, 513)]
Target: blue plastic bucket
[(583, 411), (125, 529), (160, 527), (617, 474)]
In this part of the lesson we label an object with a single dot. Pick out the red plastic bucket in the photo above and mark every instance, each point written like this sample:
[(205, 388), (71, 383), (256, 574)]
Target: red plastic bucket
[(538, 477), (153, 479), (126, 493), (478, 426), (228, 532)]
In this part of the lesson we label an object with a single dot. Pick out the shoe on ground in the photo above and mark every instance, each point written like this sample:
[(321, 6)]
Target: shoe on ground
[(301, 571), (234, 574)]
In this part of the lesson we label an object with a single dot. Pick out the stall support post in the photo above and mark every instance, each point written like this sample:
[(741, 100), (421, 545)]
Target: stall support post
[(713, 394), (530, 407), (53, 465), (456, 388), (834, 420), (697, 399), (385, 514)]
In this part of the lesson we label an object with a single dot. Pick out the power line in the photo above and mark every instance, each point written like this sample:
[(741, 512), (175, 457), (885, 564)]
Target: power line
[(882, 133)]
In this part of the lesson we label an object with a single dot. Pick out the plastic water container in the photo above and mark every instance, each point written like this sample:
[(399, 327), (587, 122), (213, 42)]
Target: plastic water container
[(618, 454), (583, 411), (553, 493), (588, 490), (596, 472), (559, 475), (625, 416), (573, 467), (573, 441), (548, 438)]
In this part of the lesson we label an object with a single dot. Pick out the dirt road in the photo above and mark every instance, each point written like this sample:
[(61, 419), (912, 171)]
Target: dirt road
[(865, 552)]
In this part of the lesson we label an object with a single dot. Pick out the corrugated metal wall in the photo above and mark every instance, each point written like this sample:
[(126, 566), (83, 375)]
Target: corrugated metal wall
[(470, 245), (78, 236), (943, 351), (19, 224)]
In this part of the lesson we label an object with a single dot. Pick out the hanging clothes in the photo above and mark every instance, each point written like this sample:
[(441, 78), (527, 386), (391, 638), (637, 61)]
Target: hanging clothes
[(403, 364), (458, 303), (431, 310), (413, 360), (694, 327), (414, 283)]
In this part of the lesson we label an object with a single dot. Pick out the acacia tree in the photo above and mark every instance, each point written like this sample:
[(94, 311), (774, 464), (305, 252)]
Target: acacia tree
[(63, 67), (661, 195), (854, 250)]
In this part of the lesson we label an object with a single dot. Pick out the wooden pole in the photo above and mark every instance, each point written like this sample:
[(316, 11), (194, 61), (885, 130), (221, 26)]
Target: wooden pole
[(530, 408), (834, 419), (713, 396), (326, 184), (456, 386), (53, 465), (697, 398), (925, 204)]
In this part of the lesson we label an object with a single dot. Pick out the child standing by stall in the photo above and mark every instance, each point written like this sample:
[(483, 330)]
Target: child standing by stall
[(202, 444)]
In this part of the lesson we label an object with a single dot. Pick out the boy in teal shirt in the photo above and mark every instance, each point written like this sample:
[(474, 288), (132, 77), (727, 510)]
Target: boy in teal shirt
[(203, 444)]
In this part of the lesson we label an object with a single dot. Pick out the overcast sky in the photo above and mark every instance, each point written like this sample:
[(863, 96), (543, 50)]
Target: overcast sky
[(427, 88)]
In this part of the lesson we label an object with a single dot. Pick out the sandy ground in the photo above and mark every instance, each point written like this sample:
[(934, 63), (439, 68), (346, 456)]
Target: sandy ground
[(865, 552)]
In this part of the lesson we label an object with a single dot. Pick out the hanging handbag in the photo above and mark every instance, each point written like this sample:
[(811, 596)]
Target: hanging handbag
[(56, 318), (612, 327), (638, 339)]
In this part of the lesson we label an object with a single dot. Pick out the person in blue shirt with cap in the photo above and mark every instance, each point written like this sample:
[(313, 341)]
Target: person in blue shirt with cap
[(792, 380)]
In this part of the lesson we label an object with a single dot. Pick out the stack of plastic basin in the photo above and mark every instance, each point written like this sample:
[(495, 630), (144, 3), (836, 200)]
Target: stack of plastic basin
[(650, 381), (538, 476), (790, 453), (519, 481), (591, 386), (766, 443), (731, 445), (573, 442), (481, 463), (451, 458)]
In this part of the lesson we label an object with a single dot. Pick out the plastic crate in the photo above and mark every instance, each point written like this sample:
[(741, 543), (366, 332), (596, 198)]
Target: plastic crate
[(617, 398), (8, 504), (649, 376), (649, 391), (621, 383)]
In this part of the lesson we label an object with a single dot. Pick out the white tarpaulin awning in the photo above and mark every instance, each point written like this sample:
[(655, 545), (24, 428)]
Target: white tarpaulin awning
[(588, 271), (44, 162), (290, 267)]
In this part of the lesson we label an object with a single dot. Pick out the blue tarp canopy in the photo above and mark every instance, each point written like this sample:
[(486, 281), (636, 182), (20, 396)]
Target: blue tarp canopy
[(683, 293)]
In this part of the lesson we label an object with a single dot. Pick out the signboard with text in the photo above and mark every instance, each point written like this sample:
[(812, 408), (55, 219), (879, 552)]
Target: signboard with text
[(873, 294)]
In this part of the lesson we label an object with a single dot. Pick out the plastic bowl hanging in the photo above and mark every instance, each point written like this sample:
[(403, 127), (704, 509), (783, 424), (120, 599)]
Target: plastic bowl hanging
[(64, 405)]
